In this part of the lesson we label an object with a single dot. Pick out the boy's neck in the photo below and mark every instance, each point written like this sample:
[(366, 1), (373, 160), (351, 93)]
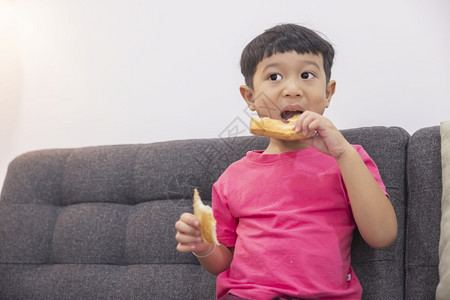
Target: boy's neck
[(277, 146)]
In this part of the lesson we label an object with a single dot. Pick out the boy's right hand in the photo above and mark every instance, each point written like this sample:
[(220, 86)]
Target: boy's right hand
[(188, 235)]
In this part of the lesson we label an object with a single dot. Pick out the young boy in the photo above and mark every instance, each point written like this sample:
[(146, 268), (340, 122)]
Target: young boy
[(285, 215)]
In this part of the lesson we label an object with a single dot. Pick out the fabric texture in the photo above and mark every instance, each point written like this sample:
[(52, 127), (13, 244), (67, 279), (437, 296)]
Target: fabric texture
[(290, 219), (443, 288), (424, 175), (98, 222)]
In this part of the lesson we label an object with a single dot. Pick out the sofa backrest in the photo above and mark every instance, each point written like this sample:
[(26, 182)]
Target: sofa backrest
[(424, 173), (98, 222), (381, 271)]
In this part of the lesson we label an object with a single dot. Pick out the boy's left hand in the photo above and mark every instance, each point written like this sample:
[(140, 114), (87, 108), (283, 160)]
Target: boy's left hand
[(328, 139)]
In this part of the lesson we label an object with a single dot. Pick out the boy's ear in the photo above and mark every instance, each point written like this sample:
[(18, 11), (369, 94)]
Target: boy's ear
[(248, 95), (331, 88)]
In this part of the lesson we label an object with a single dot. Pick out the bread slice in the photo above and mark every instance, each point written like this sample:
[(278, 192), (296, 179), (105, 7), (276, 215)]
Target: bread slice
[(276, 128), (204, 215)]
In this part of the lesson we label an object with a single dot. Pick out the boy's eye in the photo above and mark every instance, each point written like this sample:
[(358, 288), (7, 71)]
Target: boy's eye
[(307, 75), (275, 77)]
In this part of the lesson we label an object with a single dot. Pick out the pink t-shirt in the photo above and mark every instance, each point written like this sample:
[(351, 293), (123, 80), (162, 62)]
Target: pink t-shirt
[(289, 218)]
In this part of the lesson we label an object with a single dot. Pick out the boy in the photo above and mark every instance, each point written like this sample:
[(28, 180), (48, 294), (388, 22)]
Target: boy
[(285, 215)]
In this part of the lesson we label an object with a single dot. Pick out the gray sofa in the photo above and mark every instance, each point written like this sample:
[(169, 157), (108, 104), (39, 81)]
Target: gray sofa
[(98, 222)]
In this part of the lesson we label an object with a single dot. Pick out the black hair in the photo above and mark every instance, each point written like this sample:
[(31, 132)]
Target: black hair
[(284, 38)]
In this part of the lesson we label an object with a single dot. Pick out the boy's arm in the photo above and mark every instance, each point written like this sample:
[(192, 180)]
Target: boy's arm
[(372, 210), (214, 259), (218, 261)]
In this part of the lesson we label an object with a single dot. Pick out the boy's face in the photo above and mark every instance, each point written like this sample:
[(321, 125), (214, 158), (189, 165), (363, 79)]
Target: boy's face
[(288, 83)]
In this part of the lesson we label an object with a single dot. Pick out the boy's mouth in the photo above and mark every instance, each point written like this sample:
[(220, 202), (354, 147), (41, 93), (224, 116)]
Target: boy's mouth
[(286, 115)]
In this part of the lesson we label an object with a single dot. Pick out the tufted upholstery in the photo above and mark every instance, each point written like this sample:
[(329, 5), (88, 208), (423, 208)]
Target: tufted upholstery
[(98, 222)]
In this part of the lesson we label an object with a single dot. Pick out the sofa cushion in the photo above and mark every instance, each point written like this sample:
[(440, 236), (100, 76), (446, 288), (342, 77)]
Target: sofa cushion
[(424, 213), (443, 288)]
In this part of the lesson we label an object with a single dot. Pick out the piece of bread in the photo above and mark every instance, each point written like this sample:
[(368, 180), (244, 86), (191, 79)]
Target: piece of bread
[(276, 128), (204, 215)]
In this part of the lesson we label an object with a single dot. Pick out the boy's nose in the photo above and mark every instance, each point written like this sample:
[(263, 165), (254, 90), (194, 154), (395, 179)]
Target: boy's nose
[(292, 88)]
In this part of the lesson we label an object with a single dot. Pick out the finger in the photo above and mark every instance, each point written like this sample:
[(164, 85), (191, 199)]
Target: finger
[(186, 229), (303, 122), (186, 238), (299, 122), (306, 128), (189, 219), (192, 247), (313, 126), (185, 248)]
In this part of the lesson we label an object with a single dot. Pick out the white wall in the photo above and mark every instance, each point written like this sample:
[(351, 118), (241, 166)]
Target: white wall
[(81, 73)]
